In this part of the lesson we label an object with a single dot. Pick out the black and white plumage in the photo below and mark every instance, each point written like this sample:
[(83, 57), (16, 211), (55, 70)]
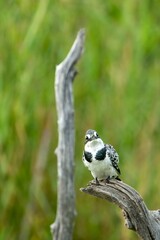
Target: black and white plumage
[(100, 158)]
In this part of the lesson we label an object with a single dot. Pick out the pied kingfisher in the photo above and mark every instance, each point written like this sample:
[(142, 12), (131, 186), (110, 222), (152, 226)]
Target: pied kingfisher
[(100, 158)]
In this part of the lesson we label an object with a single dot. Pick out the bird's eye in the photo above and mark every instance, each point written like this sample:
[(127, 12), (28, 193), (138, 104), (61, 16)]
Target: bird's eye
[(87, 137), (96, 134)]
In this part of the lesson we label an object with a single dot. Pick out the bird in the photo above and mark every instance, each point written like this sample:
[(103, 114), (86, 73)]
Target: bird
[(100, 158)]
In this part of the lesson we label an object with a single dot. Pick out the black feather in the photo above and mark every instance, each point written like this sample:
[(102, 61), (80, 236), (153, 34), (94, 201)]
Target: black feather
[(101, 154), (113, 155), (88, 156)]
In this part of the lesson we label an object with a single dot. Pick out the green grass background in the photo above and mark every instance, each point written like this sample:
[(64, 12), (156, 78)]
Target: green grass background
[(117, 92)]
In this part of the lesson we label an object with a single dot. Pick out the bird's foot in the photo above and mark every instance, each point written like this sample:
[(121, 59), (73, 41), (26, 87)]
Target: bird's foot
[(97, 182), (107, 180)]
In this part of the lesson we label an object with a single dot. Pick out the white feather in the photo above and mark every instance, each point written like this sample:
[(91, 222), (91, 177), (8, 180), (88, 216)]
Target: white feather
[(99, 169)]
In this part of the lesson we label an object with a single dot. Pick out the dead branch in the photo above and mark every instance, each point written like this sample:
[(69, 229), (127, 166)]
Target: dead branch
[(137, 217), (62, 228)]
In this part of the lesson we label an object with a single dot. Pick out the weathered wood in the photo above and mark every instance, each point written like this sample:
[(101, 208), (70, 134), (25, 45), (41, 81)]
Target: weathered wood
[(144, 222), (62, 228)]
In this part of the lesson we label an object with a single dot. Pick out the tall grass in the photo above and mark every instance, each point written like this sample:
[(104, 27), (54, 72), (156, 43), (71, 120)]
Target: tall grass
[(116, 93)]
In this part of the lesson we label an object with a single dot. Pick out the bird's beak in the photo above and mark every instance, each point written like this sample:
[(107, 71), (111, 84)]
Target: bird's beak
[(93, 137), (90, 139)]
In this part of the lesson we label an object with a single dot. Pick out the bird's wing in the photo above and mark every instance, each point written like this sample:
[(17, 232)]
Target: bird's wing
[(113, 155)]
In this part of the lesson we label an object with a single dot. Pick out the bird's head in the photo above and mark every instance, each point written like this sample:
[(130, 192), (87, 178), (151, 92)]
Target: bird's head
[(93, 141), (91, 135)]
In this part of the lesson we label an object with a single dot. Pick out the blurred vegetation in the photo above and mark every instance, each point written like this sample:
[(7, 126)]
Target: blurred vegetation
[(116, 92)]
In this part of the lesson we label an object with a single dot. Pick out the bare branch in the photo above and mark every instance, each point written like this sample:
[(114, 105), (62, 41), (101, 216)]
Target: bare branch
[(137, 217), (65, 73)]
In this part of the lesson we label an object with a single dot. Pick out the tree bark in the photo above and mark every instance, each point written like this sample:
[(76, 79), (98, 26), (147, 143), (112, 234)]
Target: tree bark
[(62, 228), (137, 217)]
